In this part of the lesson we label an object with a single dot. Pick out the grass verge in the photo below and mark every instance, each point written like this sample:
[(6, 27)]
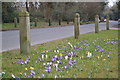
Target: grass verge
[(91, 56)]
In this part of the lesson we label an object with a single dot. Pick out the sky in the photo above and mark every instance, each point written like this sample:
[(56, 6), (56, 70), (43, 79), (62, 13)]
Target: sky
[(111, 2)]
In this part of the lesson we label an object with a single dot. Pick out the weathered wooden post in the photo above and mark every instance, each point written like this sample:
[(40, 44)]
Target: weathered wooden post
[(67, 21), (107, 22), (59, 21), (96, 24), (77, 25), (35, 22), (24, 33), (15, 22), (49, 22)]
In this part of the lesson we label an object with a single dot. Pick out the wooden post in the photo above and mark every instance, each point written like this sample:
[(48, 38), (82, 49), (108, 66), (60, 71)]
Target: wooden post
[(96, 24), (107, 22), (77, 25), (49, 22), (35, 22), (67, 21), (24, 33), (59, 21), (15, 22)]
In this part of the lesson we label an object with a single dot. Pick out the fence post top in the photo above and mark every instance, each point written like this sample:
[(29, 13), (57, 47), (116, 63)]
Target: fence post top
[(77, 15), (24, 14)]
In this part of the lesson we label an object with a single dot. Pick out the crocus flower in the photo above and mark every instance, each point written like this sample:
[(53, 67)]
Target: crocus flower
[(66, 67), (59, 62), (53, 59), (31, 68), (46, 56), (36, 61), (89, 54), (43, 75), (13, 76), (70, 44), (113, 42), (25, 74), (118, 55), (95, 49), (109, 53), (69, 55), (42, 56), (70, 62), (60, 57), (57, 47), (101, 50), (66, 57), (22, 61), (50, 63), (58, 69), (74, 73), (32, 73), (74, 61)]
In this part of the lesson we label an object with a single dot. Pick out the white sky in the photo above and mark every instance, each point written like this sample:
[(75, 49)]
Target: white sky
[(111, 2)]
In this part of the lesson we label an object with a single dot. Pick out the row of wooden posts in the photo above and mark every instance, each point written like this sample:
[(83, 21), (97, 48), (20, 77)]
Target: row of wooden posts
[(25, 30), (35, 22)]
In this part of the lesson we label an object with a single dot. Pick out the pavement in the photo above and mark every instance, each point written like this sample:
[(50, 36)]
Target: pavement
[(10, 39)]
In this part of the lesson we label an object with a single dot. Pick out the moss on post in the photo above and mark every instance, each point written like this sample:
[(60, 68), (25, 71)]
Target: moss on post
[(107, 22), (96, 24), (24, 32), (15, 22), (76, 25)]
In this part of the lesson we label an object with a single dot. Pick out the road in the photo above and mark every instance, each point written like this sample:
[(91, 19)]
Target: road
[(10, 39)]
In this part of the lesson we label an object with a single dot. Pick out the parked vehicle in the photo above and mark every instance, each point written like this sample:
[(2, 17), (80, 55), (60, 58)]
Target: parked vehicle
[(104, 20), (119, 21)]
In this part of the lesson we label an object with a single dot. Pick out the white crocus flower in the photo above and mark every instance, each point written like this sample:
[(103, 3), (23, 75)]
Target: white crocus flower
[(13, 76), (42, 56), (89, 54), (46, 56), (66, 57), (70, 44)]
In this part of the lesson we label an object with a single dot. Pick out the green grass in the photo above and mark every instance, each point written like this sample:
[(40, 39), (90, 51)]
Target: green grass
[(98, 64), (41, 24)]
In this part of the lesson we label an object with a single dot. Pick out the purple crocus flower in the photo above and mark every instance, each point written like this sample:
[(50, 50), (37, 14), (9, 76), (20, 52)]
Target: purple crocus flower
[(109, 53), (113, 42), (60, 57), (56, 56), (80, 41), (95, 49), (53, 59), (74, 61), (19, 62), (118, 55), (74, 73), (66, 51), (59, 62), (32, 73), (58, 69), (66, 67), (22, 61), (43, 75), (36, 61), (57, 47), (101, 50), (48, 69), (25, 74), (70, 62), (69, 55), (98, 46)]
